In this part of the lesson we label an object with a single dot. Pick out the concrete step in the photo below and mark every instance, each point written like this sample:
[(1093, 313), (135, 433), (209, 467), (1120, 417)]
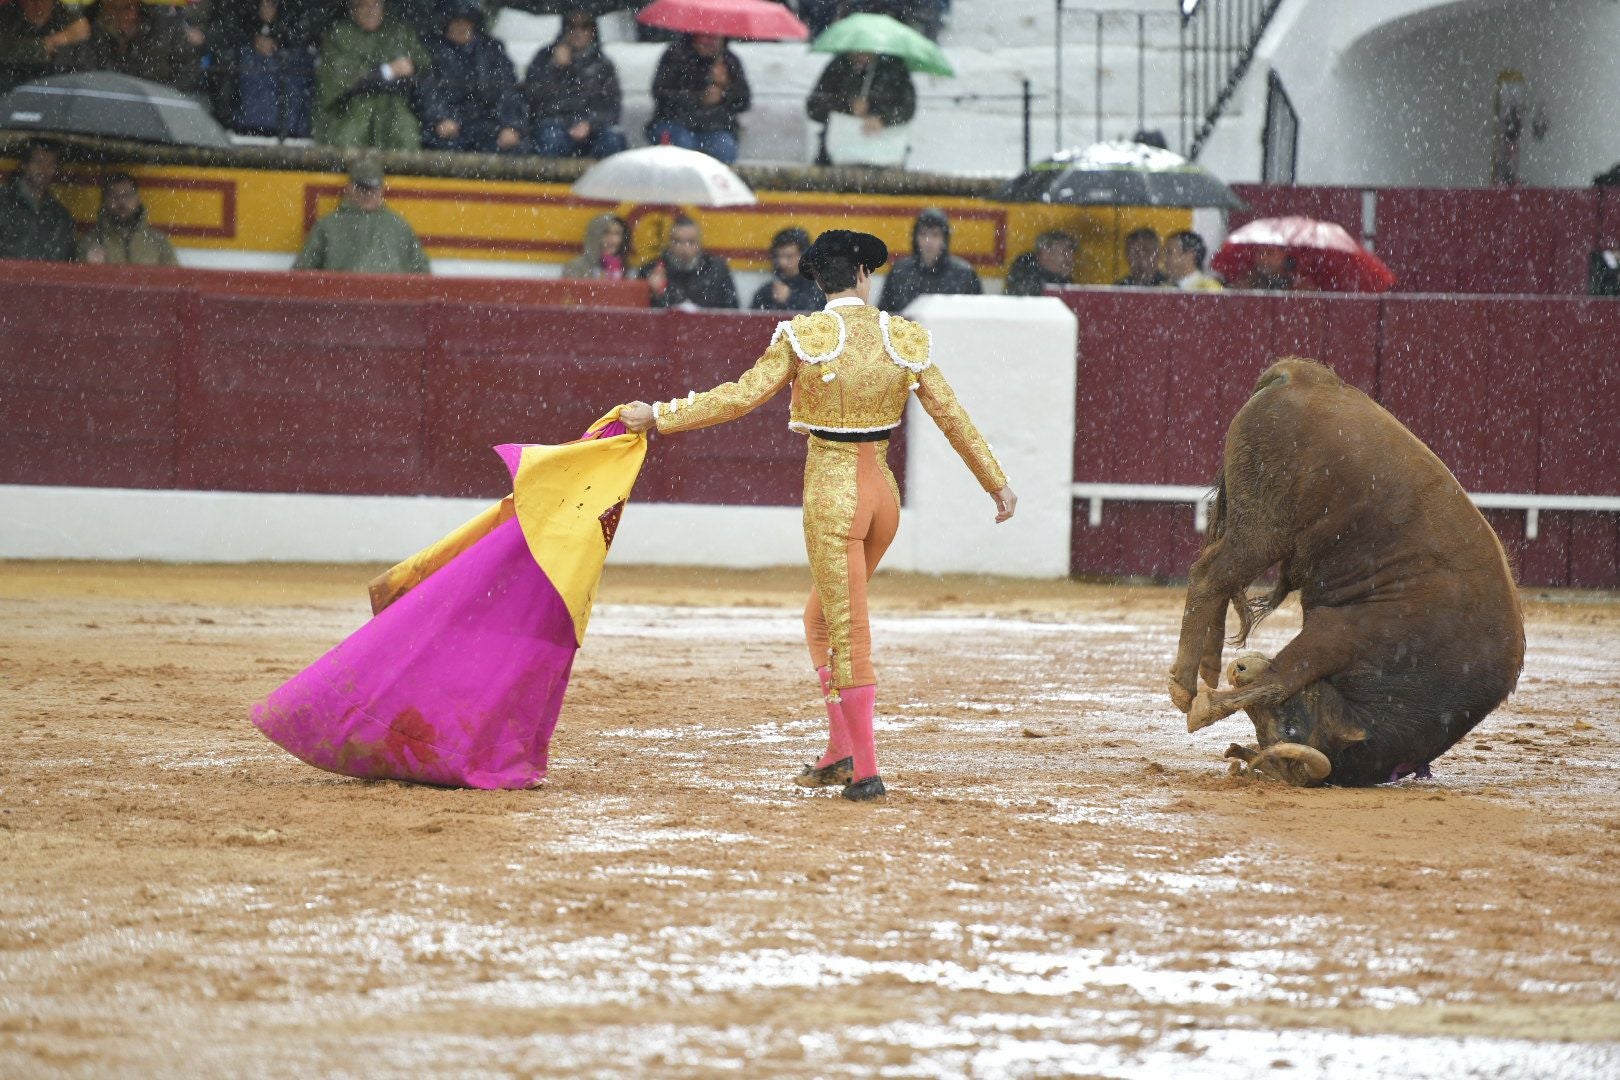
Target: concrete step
[(970, 124)]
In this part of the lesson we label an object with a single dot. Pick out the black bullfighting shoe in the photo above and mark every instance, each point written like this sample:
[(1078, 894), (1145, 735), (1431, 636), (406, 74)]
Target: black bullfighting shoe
[(865, 790), (839, 772)]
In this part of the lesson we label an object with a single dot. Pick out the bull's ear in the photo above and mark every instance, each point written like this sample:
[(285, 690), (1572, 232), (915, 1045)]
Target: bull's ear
[(1347, 734)]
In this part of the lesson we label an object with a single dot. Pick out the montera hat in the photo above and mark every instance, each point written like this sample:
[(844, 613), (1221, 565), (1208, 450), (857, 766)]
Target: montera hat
[(860, 248)]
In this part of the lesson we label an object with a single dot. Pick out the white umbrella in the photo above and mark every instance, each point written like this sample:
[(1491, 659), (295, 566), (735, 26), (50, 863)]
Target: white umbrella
[(664, 174)]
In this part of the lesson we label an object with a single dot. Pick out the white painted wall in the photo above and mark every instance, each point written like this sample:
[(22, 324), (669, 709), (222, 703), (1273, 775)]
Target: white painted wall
[(1011, 361), (1401, 92)]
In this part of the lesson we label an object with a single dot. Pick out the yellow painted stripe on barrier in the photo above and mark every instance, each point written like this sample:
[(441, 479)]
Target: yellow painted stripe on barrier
[(271, 210)]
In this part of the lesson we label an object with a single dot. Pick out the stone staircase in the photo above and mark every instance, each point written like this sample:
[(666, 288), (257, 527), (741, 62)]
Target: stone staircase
[(971, 124)]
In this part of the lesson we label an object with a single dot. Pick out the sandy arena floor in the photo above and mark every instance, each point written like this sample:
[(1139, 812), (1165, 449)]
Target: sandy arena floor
[(1063, 882)]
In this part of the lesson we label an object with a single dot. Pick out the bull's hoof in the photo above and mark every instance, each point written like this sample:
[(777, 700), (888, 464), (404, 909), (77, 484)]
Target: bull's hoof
[(1292, 763), (1203, 712), (1180, 696)]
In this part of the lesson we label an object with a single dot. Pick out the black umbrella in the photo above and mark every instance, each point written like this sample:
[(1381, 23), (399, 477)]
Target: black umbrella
[(1119, 174), (105, 103), (563, 7)]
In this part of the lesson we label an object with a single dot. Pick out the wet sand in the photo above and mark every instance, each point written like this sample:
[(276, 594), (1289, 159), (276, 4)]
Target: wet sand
[(1063, 882)]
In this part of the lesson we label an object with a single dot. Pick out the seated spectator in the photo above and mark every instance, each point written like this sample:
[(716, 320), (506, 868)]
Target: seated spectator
[(469, 78), (789, 290), (698, 91), (130, 38), (1184, 263), (686, 274), (1273, 268), (930, 268), (877, 89), (32, 34), (362, 234), (1142, 255), (569, 103), (121, 235), (366, 81), (606, 254), (927, 17), (819, 14), (1050, 263), (264, 52), (33, 225)]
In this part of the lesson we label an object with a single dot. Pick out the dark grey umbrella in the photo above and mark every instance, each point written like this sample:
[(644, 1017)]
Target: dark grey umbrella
[(1119, 174), (562, 7), (105, 103)]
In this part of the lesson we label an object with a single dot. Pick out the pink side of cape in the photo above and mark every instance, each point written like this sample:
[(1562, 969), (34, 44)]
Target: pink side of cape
[(459, 682)]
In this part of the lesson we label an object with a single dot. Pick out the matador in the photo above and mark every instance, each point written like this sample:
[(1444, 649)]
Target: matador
[(852, 369)]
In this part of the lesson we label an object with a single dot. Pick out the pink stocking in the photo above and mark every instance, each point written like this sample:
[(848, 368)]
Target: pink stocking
[(859, 703), (837, 730)]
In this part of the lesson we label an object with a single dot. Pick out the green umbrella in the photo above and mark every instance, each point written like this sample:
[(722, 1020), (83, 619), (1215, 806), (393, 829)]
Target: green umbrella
[(886, 36)]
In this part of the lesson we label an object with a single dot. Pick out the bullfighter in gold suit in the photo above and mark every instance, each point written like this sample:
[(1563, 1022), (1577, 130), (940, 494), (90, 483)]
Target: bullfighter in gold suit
[(852, 369)]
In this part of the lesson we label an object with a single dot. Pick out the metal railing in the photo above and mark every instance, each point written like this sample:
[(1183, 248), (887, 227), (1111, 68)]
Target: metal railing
[(1108, 26), (1218, 41), (1200, 499)]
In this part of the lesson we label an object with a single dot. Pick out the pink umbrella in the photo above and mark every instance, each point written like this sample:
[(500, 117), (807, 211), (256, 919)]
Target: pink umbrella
[(759, 20), (1320, 250)]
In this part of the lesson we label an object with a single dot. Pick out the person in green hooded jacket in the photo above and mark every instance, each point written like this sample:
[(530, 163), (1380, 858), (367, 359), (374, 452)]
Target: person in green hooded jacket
[(366, 80), (121, 234), (362, 234)]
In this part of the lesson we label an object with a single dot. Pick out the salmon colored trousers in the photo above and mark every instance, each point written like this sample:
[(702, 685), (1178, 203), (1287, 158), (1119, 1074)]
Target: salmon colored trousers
[(851, 513)]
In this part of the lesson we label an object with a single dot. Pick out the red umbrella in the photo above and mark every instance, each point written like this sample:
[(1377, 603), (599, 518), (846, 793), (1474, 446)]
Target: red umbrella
[(1320, 250), (760, 20)]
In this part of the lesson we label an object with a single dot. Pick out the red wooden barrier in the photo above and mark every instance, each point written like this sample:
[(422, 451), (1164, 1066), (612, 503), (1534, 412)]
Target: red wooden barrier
[(1487, 240), (1463, 240), (88, 385), (141, 386), (1340, 205), (1516, 394)]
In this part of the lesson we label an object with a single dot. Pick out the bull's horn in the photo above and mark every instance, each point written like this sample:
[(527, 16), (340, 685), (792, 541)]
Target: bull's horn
[(1293, 763)]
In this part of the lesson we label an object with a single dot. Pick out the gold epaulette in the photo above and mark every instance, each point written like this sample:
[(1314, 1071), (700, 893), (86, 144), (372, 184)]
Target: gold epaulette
[(908, 344), (816, 337)]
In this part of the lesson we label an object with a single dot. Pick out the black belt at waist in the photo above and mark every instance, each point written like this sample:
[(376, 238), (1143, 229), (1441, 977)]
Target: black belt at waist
[(853, 436)]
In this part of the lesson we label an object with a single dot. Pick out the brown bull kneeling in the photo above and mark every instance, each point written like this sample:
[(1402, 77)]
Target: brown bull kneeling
[(1412, 632)]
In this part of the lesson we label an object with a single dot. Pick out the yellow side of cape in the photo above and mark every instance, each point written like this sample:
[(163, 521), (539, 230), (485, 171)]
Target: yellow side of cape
[(568, 501)]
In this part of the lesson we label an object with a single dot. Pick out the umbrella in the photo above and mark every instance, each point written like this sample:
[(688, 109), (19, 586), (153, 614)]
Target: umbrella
[(563, 7), (663, 174), (760, 20), (105, 103), (1321, 250), (886, 36), (1119, 174)]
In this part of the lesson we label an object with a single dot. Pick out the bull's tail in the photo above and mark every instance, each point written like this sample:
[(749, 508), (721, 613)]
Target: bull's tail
[(1251, 608)]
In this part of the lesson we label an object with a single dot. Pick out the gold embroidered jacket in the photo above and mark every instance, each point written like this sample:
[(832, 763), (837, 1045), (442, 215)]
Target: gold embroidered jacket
[(852, 368)]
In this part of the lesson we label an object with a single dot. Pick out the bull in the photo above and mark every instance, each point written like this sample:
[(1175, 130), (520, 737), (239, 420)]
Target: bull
[(1412, 630)]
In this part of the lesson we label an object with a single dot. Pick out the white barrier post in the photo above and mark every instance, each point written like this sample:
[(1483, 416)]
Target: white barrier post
[(1011, 361)]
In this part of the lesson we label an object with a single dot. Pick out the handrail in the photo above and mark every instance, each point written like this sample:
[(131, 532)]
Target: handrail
[(1201, 497), (1218, 43)]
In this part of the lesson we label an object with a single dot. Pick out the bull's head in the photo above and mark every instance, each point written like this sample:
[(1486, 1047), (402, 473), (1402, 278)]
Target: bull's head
[(1298, 738)]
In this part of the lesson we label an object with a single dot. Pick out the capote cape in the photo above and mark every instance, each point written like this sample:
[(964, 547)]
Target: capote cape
[(459, 676)]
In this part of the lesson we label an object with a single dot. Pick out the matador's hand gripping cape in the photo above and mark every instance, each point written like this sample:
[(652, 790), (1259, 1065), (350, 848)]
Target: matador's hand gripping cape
[(460, 676)]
